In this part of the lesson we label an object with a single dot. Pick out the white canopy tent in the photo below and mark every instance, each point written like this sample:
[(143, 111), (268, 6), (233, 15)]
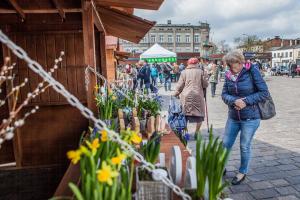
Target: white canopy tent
[(158, 54)]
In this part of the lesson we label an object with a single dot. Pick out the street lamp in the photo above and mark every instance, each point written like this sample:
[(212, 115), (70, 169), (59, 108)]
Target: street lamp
[(248, 41), (206, 46)]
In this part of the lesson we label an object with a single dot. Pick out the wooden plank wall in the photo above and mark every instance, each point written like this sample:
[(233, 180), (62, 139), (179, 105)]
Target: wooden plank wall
[(57, 126), (6, 150), (45, 47)]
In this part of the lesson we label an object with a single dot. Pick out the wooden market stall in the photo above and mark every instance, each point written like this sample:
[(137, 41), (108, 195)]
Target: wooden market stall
[(44, 28)]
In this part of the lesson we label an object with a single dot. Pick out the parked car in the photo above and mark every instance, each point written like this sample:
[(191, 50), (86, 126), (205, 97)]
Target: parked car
[(294, 70), (282, 70)]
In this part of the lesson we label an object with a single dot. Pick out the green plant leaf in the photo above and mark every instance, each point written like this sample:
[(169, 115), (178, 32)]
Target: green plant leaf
[(76, 191)]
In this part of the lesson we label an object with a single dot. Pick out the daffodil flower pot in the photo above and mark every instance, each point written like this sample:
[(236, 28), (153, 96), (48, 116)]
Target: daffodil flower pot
[(193, 195), (112, 122), (143, 124), (149, 189)]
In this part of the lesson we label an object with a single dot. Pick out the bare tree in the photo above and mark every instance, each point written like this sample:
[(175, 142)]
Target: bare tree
[(223, 46), (247, 41)]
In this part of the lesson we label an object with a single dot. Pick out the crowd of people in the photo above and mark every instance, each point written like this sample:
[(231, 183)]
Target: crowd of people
[(148, 77)]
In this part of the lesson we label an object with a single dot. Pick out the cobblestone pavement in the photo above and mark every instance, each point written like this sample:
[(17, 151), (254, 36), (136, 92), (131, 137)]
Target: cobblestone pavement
[(275, 166)]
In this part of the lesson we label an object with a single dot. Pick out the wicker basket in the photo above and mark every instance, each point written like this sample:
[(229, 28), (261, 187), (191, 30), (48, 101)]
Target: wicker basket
[(151, 190)]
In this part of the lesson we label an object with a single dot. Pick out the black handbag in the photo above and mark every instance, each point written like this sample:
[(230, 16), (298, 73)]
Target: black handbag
[(266, 108)]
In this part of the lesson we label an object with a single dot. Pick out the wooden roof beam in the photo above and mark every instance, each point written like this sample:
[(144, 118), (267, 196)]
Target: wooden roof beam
[(41, 11), (19, 10), (141, 4), (60, 9)]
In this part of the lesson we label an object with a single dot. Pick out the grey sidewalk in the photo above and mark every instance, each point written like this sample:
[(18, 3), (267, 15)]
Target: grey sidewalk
[(275, 166)]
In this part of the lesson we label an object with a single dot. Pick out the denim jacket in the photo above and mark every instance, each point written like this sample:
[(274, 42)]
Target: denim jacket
[(248, 85)]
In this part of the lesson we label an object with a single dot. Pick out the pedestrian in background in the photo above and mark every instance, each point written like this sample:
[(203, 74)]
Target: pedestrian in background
[(167, 69), (243, 89), (181, 68), (213, 79), (154, 74), (160, 73), (140, 81), (145, 74), (133, 75), (190, 88), (176, 71)]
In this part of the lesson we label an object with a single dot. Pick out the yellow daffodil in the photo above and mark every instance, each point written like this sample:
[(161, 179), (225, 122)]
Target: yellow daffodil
[(74, 156), (104, 136), (106, 174), (109, 91), (94, 145), (119, 158), (135, 138), (97, 88), (113, 98), (84, 150)]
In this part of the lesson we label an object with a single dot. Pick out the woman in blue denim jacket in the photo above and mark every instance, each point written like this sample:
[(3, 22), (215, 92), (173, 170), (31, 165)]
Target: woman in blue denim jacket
[(243, 89)]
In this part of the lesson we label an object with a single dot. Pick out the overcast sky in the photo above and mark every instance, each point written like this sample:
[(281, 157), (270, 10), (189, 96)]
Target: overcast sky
[(232, 18)]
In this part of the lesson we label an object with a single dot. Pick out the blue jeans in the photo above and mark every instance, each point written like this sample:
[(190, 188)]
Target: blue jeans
[(213, 87), (154, 80), (147, 87), (247, 129), (168, 83)]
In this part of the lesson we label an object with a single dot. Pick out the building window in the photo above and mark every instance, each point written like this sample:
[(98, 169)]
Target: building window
[(187, 38), (274, 55), (196, 49), (298, 54), (144, 40), (153, 38), (286, 54), (278, 55), (291, 54), (197, 38), (177, 38), (281, 54), (170, 38), (161, 38), (161, 29)]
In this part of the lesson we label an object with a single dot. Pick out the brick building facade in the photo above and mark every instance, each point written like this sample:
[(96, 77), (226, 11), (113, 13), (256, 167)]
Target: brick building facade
[(174, 37)]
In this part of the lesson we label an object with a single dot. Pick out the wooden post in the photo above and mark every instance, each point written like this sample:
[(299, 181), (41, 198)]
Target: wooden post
[(89, 50)]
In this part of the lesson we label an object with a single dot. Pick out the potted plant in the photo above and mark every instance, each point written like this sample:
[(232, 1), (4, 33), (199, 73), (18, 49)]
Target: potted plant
[(147, 107), (211, 158), (107, 105), (106, 171), (147, 184)]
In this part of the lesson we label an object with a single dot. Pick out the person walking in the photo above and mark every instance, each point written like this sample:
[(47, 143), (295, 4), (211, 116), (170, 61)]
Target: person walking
[(213, 79), (167, 76), (176, 71), (134, 76), (145, 74), (243, 89), (154, 74), (190, 88)]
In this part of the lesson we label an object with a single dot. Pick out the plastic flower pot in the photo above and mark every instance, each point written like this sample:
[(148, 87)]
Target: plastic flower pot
[(143, 125)]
